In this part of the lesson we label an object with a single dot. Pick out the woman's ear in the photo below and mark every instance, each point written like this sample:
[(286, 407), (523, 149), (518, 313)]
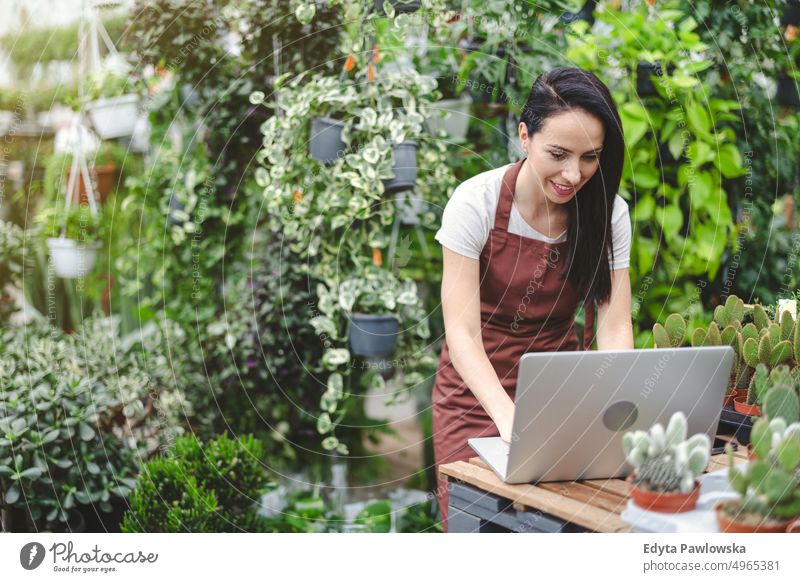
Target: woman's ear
[(522, 129)]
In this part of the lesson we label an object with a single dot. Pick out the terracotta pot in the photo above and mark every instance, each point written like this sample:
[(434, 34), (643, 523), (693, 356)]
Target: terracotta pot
[(664, 502), (728, 400), (728, 525), (105, 179), (741, 406), (794, 526)]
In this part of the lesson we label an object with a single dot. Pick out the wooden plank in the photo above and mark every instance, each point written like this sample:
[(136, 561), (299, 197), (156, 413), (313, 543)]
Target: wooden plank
[(615, 486), (535, 497), (588, 495)]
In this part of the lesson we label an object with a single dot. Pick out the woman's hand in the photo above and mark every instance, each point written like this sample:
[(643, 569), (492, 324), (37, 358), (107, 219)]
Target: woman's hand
[(505, 422)]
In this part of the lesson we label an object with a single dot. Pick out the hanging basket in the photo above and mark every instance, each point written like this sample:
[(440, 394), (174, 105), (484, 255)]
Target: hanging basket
[(325, 142), (373, 335), (456, 120), (114, 117), (71, 259), (404, 168)]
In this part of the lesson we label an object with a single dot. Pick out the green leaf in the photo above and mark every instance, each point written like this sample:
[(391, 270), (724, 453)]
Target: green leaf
[(671, 219), (87, 432), (729, 161), (643, 210), (788, 453)]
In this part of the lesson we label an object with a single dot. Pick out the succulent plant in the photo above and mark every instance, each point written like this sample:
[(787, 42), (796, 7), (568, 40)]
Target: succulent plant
[(730, 313), (781, 401), (769, 485), (665, 460), (672, 334)]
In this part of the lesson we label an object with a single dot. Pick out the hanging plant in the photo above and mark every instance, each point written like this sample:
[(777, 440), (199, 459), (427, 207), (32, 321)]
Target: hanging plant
[(338, 219), (74, 237)]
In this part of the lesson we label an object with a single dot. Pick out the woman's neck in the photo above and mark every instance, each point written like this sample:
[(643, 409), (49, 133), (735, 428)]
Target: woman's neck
[(537, 210)]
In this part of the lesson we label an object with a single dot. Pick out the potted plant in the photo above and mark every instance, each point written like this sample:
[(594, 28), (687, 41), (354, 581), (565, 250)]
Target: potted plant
[(404, 167), (373, 304), (325, 142), (666, 466), (768, 486), (112, 109), (73, 236), (450, 114), (56, 459), (396, 6)]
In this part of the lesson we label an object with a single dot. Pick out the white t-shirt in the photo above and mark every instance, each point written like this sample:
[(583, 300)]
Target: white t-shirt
[(469, 216)]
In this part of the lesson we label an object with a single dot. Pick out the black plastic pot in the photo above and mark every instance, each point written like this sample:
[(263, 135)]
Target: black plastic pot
[(325, 142), (644, 84), (585, 13), (174, 204), (373, 335), (399, 6), (404, 168), (787, 92), (736, 423)]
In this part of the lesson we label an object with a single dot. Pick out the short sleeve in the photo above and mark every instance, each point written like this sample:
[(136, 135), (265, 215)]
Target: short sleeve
[(621, 234), (465, 221)]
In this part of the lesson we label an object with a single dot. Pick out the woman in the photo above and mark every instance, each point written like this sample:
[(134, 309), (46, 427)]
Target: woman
[(524, 245)]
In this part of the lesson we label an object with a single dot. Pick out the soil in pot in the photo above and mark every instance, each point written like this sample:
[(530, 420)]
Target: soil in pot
[(663, 502), (741, 406), (325, 141), (730, 519)]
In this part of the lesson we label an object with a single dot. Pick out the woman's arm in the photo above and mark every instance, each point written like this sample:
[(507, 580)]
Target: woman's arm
[(614, 328), (462, 322)]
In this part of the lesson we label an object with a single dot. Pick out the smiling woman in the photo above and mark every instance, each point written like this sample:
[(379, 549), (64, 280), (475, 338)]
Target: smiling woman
[(524, 245)]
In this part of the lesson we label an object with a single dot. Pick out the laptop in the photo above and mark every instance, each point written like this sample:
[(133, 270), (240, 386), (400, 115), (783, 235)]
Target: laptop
[(572, 408)]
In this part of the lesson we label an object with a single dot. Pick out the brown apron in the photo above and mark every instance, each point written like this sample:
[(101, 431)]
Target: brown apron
[(527, 305)]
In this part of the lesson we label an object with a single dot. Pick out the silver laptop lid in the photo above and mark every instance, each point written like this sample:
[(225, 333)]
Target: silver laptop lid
[(573, 407)]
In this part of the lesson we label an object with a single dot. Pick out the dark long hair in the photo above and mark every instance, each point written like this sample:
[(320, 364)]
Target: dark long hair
[(589, 230)]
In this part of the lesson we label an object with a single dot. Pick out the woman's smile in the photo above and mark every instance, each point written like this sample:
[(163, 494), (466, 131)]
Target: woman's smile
[(563, 189)]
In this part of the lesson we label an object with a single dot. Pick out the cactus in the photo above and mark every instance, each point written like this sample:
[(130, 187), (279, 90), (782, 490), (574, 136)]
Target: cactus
[(663, 459), (672, 334), (730, 313), (768, 485), (769, 350), (712, 337), (781, 402), (760, 317), (787, 326), (759, 384)]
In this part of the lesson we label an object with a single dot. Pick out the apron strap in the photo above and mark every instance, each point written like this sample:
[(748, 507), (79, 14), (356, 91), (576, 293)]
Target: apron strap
[(589, 310), (507, 188)]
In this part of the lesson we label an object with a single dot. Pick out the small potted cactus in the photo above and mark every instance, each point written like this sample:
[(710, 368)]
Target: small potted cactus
[(666, 466), (769, 485)]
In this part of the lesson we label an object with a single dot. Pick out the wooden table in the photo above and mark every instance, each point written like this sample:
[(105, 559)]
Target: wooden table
[(480, 502)]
